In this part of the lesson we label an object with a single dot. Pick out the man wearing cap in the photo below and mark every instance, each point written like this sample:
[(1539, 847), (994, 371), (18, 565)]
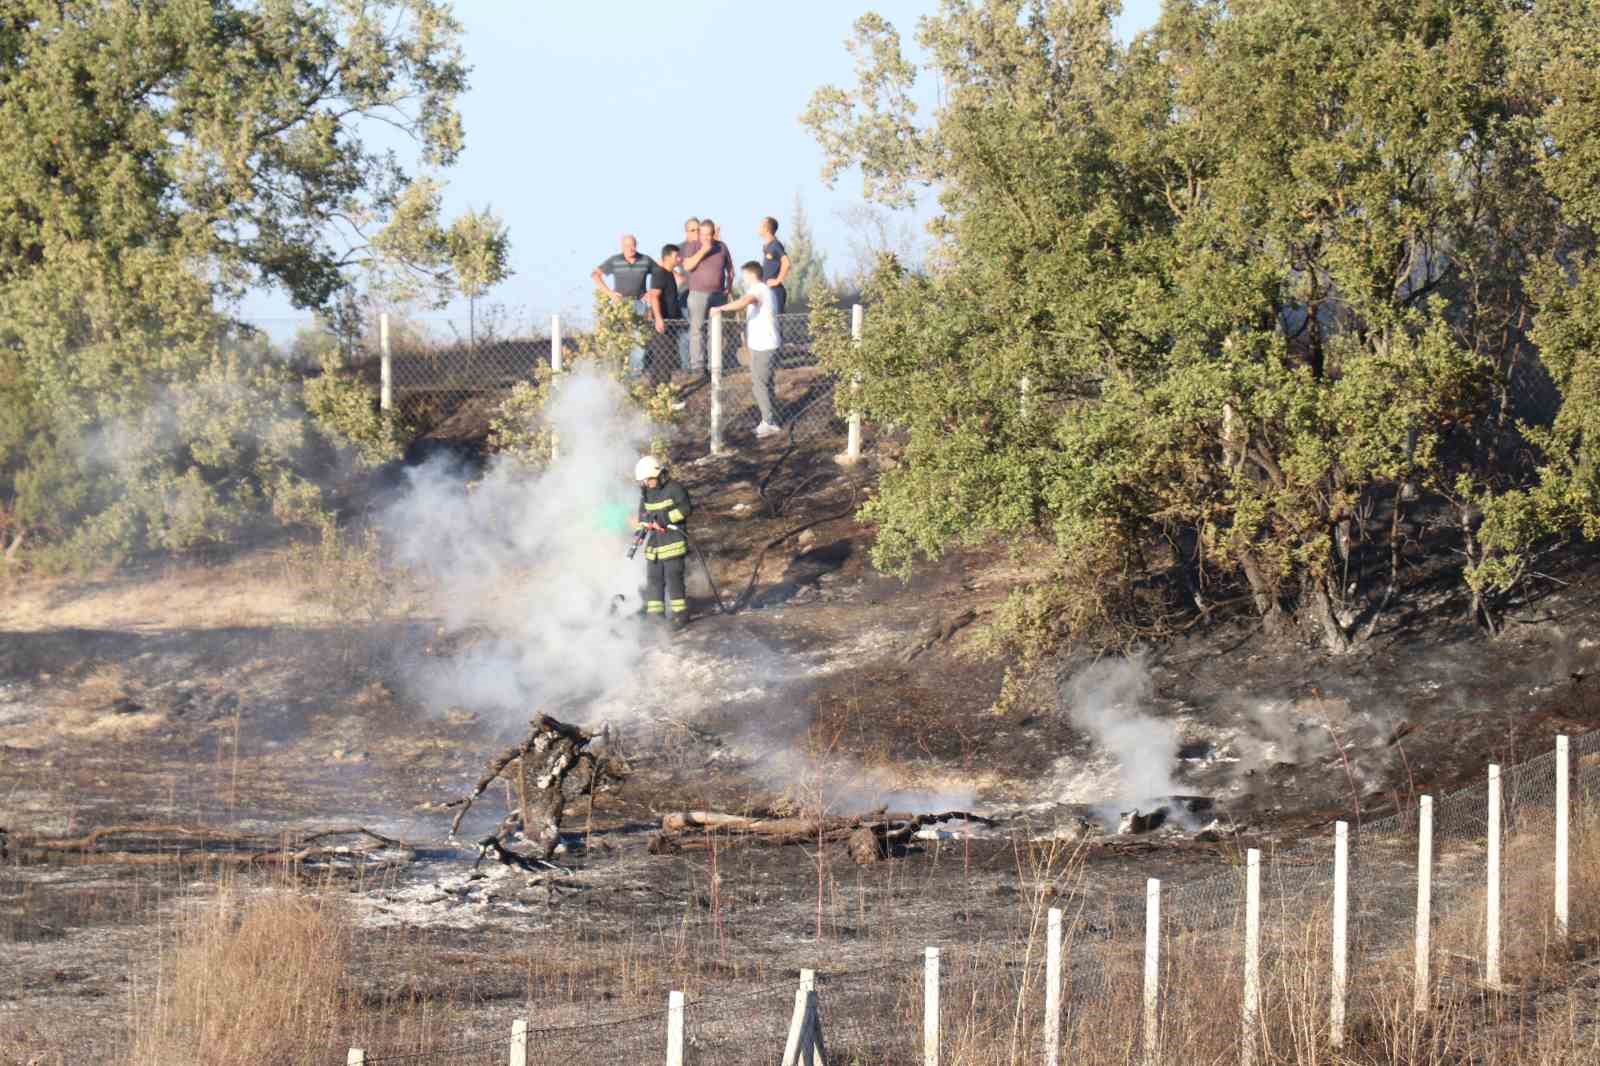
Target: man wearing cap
[(663, 511)]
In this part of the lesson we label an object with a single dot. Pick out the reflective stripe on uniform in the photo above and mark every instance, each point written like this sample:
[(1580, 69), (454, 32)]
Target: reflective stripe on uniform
[(674, 515), (659, 505), (667, 551), (680, 606), (655, 607)]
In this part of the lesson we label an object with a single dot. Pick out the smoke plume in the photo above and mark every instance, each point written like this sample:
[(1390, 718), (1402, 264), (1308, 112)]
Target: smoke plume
[(1107, 700), (537, 560)]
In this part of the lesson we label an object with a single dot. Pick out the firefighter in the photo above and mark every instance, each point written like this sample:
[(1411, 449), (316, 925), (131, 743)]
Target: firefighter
[(663, 510)]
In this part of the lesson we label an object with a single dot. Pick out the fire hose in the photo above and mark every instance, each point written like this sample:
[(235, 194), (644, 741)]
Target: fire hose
[(641, 534)]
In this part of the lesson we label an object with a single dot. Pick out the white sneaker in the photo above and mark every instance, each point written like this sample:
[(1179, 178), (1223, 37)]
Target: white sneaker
[(767, 429)]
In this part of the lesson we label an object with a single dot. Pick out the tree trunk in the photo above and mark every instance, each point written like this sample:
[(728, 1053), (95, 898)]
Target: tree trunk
[(1263, 593), (1334, 638)]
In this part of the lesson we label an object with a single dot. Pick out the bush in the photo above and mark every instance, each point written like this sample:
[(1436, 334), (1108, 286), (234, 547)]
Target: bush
[(343, 408)]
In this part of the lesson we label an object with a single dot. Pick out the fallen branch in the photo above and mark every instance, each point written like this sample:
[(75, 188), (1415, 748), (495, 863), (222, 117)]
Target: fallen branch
[(692, 829), (183, 845)]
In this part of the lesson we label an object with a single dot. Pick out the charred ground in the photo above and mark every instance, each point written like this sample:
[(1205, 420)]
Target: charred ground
[(224, 693)]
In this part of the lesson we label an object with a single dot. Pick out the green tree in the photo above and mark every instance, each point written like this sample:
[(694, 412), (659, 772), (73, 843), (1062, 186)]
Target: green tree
[(478, 249), (808, 265), (1216, 308), (159, 159)]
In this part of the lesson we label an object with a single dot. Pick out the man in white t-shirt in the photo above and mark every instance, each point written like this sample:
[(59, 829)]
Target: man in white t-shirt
[(761, 337)]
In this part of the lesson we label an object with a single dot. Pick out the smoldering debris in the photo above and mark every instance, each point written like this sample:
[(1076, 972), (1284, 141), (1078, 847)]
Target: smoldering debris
[(1108, 701), (530, 835), (868, 838)]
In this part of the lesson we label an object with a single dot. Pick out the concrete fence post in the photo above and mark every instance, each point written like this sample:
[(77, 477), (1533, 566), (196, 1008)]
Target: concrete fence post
[(1251, 1013), (930, 1007), (1052, 988), (715, 358), (1563, 841), (1424, 901), (792, 1049), (1152, 972), (557, 356), (1341, 933), (1491, 932), (674, 1029), (519, 1043), (357, 1057), (385, 365), (852, 447)]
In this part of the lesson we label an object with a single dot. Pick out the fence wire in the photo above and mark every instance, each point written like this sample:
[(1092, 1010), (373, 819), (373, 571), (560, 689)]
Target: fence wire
[(453, 390), (992, 996)]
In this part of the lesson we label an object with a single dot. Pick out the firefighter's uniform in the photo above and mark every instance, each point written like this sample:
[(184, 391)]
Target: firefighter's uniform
[(666, 553)]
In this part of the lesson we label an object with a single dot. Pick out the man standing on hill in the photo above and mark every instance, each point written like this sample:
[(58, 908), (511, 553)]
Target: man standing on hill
[(630, 276), (761, 336), (774, 263), (710, 269), (662, 299)]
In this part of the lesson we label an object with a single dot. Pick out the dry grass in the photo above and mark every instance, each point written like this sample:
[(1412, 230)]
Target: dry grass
[(277, 978), (249, 981)]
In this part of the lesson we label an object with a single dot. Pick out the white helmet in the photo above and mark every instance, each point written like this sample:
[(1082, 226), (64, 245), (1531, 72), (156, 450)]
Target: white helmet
[(646, 468)]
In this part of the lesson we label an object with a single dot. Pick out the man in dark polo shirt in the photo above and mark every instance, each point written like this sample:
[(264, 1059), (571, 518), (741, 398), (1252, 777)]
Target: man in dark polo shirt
[(662, 299), (774, 263), (630, 275), (710, 268)]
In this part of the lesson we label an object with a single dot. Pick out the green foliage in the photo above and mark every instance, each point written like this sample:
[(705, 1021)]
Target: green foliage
[(807, 283), (202, 465), (518, 429), (1206, 304), (343, 408), (156, 162)]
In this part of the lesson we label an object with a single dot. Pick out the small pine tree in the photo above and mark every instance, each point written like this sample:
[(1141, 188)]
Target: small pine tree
[(808, 270)]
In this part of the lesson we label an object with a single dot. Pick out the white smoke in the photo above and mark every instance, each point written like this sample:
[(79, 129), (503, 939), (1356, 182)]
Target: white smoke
[(1107, 700), (537, 560)]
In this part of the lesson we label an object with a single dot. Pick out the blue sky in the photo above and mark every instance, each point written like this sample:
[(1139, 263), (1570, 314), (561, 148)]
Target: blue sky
[(585, 120)]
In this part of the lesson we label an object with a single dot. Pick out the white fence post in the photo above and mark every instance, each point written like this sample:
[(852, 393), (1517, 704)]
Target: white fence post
[(1251, 1018), (715, 364), (357, 1057), (1052, 988), (385, 365), (1563, 810), (557, 357), (1022, 395), (674, 1029), (797, 1024), (930, 1008), (1424, 899), (1341, 928), (1152, 971), (852, 447), (1491, 937)]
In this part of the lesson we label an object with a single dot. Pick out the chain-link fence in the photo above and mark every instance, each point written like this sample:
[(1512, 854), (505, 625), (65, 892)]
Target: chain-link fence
[(992, 996), (737, 394)]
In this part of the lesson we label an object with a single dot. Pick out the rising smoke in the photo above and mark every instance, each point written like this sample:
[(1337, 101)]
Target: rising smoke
[(1108, 700), (536, 559)]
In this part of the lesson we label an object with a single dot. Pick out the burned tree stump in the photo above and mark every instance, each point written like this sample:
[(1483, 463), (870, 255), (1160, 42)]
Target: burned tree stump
[(867, 847), (538, 768)]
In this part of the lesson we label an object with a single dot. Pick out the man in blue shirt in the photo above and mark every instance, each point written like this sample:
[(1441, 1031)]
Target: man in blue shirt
[(774, 262)]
